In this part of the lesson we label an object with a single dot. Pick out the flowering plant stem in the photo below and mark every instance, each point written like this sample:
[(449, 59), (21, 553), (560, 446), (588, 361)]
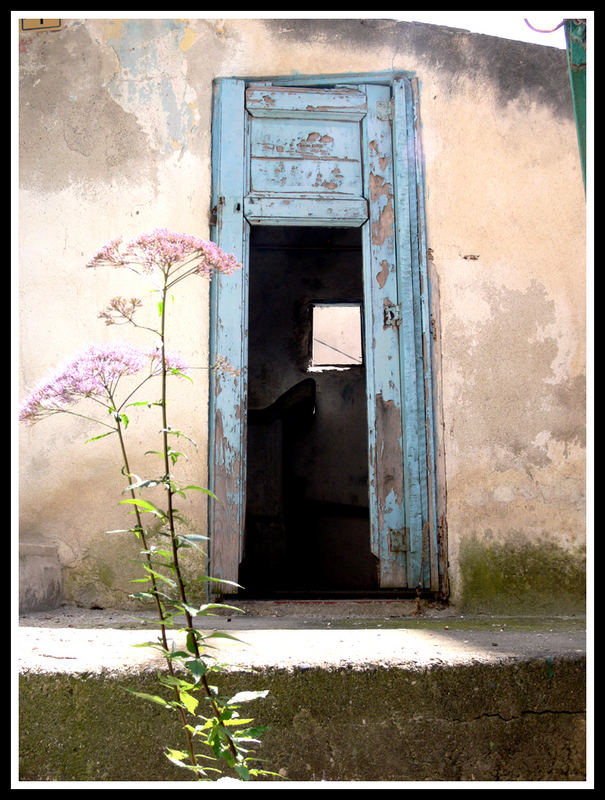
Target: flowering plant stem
[(173, 539), (166, 259), (154, 591)]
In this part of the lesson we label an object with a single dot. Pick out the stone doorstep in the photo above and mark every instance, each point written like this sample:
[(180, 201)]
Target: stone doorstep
[(275, 646), (350, 698), (289, 634)]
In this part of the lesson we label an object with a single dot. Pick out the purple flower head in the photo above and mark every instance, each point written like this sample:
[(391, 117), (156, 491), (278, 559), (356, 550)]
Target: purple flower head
[(164, 250), (94, 372), (109, 255), (173, 362)]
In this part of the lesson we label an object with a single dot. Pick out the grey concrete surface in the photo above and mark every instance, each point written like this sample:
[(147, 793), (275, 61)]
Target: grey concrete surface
[(280, 635), (373, 692)]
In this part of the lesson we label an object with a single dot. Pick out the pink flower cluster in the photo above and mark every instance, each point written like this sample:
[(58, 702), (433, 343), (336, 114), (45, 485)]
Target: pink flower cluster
[(109, 254), (120, 308), (93, 373), (163, 249), (173, 362)]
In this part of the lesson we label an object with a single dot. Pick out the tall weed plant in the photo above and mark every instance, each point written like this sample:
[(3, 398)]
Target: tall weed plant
[(216, 735)]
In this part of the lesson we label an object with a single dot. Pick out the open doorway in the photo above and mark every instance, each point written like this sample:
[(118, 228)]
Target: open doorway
[(307, 521), (316, 180)]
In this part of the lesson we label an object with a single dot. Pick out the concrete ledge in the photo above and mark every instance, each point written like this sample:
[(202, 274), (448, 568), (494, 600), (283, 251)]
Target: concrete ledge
[(442, 699)]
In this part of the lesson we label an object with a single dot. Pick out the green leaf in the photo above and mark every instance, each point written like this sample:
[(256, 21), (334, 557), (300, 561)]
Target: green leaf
[(101, 436), (192, 538), (154, 698), (192, 638), (251, 732), (190, 702), (176, 760), (177, 432), (147, 403), (176, 755), (174, 680), (154, 646), (192, 610), (219, 580), (237, 721), (201, 489), (204, 608), (223, 635), (142, 484), (246, 697), (175, 455), (178, 654), (157, 551), (160, 577), (197, 668), (145, 505), (242, 771), (141, 595), (176, 371)]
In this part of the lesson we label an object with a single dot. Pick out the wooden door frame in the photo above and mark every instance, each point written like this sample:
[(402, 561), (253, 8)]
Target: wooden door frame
[(230, 229)]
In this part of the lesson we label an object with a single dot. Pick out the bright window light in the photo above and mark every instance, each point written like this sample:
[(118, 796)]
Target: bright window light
[(336, 335)]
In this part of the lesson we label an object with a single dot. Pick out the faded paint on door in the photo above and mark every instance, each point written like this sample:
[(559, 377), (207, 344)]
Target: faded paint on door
[(333, 156)]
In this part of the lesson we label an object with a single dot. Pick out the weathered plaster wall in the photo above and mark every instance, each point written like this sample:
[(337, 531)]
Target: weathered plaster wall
[(115, 140)]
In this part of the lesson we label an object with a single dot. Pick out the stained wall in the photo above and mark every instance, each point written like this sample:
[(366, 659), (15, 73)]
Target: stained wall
[(115, 140)]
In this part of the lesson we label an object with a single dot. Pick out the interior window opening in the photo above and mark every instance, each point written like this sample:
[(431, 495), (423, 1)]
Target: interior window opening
[(337, 336), (307, 526)]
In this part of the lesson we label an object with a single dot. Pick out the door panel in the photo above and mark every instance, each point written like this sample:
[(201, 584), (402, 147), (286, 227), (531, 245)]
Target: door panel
[(331, 212), (294, 155), (411, 335), (305, 164), (229, 303), (334, 156), (299, 102), (386, 477)]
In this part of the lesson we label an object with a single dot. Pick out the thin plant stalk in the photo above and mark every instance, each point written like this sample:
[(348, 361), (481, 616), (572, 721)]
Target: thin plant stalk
[(154, 591), (170, 509), (94, 374)]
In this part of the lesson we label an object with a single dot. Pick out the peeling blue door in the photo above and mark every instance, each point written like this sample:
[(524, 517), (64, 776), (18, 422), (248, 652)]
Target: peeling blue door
[(334, 155)]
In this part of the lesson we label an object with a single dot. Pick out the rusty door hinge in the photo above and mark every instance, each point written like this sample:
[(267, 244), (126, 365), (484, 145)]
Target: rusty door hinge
[(392, 316), (398, 541), (384, 110), (213, 219)]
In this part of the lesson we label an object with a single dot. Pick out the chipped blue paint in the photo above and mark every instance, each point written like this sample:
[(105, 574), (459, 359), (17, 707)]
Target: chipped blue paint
[(228, 336), (434, 572), (392, 511), (390, 210), (383, 382), (414, 447), (143, 84)]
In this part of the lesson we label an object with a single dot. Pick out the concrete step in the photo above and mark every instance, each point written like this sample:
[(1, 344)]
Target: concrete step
[(357, 692)]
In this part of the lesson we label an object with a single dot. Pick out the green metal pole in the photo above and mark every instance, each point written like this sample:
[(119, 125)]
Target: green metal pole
[(575, 38)]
